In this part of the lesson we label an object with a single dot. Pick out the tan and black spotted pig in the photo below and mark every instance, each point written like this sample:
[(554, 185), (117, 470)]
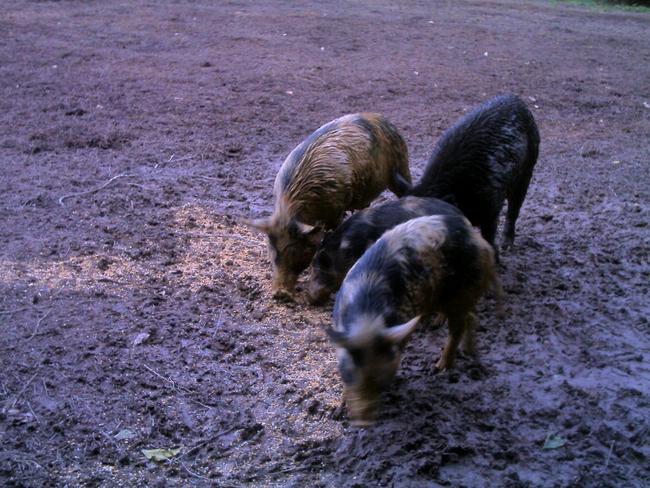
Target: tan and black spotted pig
[(428, 265), (342, 166)]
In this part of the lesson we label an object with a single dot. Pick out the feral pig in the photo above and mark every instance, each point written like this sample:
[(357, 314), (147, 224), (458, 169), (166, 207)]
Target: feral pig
[(429, 264), (341, 248), (484, 158), (344, 165)]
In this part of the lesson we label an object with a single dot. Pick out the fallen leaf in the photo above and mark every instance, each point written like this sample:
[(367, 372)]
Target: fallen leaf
[(124, 434), (646, 104), (160, 454), (554, 441), (140, 338)]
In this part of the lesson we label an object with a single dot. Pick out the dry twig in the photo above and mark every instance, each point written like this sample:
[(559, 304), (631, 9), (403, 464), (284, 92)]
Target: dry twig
[(169, 380), (184, 392), (94, 190), (33, 413), (24, 388), (38, 323), (609, 455), (16, 310), (194, 474)]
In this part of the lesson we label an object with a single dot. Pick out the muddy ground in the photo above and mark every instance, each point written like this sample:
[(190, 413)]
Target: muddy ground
[(139, 316)]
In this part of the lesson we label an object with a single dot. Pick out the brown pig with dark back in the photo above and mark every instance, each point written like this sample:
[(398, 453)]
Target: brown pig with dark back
[(342, 166)]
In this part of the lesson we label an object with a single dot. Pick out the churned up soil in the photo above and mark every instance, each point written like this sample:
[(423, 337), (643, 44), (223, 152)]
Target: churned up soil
[(135, 308)]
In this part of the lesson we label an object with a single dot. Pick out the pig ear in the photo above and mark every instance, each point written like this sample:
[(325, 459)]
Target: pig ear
[(306, 229), (337, 337), (399, 333), (263, 225), (402, 186)]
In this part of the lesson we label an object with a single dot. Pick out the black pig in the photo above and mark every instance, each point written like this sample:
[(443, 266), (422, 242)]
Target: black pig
[(484, 158), (341, 248)]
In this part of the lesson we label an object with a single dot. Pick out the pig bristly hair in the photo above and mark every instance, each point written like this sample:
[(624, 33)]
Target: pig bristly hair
[(320, 169)]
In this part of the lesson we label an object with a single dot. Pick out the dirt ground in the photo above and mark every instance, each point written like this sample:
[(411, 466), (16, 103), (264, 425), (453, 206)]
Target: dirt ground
[(138, 316)]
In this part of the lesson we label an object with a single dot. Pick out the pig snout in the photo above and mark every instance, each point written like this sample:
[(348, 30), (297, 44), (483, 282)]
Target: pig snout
[(282, 286), (317, 294), (361, 406)]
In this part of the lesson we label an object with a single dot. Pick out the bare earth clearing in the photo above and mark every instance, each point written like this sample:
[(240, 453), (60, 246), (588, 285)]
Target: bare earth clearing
[(139, 316)]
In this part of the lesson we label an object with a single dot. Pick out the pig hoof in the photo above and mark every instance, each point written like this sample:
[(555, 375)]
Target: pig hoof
[(439, 321), (442, 365), (317, 299), (283, 295), (469, 352), (500, 313), (437, 369), (361, 423)]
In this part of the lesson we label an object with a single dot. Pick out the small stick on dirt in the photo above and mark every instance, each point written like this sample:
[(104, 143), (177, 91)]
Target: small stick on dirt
[(185, 158), (38, 323), (94, 190), (218, 324), (609, 454), (16, 310), (194, 474), (169, 380), (33, 413), (24, 388), (18, 458), (187, 392), (209, 439), (184, 392)]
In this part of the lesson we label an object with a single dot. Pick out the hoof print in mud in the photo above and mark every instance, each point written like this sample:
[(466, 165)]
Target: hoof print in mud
[(452, 376), (104, 263), (314, 407), (251, 432), (476, 372)]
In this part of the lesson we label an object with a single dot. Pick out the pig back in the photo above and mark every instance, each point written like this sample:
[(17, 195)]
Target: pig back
[(343, 165)]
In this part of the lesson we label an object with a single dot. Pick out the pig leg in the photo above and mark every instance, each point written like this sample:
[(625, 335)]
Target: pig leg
[(489, 232), (438, 320), (469, 341), (456, 329), (515, 201)]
